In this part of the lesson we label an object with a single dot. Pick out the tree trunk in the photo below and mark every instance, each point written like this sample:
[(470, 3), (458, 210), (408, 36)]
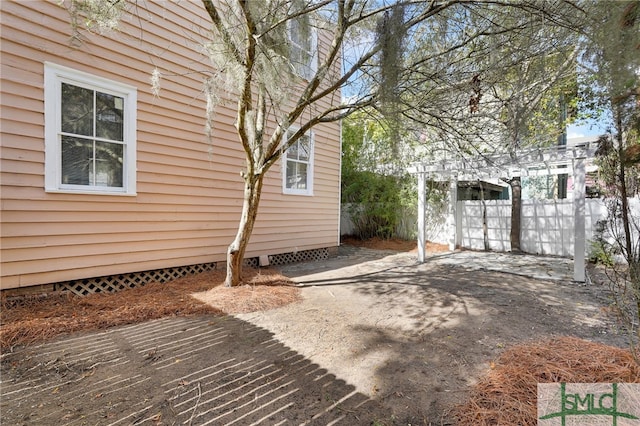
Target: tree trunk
[(623, 196), (628, 248), (516, 212), (236, 250)]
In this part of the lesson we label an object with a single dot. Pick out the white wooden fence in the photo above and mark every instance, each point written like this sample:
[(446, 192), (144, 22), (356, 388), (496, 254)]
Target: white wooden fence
[(547, 226)]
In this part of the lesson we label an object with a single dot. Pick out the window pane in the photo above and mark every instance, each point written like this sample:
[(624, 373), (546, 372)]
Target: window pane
[(109, 164), (77, 110), (296, 60), (302, 41), (301, 32), (77, 160), (296, 175), (109, 113), (292, 152), (291, 174), (302, 176), (304, 148), (296, 33), (301, 60)]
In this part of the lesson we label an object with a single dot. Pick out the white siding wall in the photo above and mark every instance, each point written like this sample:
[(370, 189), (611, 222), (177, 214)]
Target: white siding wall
[(189, 190)]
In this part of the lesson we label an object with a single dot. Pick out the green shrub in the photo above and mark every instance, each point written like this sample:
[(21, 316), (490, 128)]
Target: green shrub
[(373, 201), (600, 253)]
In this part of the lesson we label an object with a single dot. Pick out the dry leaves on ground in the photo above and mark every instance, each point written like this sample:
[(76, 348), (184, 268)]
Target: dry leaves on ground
[(34, 319), (394, 244), (507, 395), (262, 292)]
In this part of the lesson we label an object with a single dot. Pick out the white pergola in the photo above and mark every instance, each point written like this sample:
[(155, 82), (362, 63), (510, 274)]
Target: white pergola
[(534, 162)]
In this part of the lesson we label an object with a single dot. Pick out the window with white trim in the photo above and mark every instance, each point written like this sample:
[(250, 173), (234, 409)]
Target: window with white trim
[(90, 133), (303, 38), (298, 166)]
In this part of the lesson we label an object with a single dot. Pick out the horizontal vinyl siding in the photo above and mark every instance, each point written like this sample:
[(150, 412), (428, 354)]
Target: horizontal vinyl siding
[(189, 190)]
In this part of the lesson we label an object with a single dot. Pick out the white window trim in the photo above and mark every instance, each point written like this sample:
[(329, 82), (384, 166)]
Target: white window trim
[(312, 67), (54, 75), (310, 168)]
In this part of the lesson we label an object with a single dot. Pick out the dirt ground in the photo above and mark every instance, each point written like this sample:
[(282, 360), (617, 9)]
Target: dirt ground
[(416, 337), (375, 339)]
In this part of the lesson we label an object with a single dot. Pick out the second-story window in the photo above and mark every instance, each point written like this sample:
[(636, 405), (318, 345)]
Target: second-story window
[(304, 46)]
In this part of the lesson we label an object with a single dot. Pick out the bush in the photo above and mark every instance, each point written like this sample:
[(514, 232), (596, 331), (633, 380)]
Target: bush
[(374, 201), (600, 253)]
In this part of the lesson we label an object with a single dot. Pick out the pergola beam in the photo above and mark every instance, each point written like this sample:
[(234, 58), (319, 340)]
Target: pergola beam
[(534, 162), (548, 158)]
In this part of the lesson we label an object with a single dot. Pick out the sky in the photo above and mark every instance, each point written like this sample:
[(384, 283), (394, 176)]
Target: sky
[(582, 130)]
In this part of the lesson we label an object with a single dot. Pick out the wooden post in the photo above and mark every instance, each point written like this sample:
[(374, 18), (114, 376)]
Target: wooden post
[(422, 204), (455, 223), (579, 220)]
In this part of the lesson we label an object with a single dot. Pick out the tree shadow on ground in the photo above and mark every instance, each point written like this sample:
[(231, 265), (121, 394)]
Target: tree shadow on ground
[(442, 325), (197, 370)]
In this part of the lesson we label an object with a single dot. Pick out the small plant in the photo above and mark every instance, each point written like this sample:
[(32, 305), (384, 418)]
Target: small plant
[(600, 253), (600, 250)]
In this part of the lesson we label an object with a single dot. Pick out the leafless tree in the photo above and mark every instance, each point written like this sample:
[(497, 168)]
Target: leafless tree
[(261, 53), (496, 82)]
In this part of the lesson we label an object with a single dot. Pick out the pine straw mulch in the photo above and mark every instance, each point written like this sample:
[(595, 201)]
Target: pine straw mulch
[(507, 395), (35, 319), (394, 244)]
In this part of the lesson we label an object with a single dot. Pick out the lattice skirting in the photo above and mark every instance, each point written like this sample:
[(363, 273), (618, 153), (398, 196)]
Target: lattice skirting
[(299, 256), (252, 262), (113, 283)]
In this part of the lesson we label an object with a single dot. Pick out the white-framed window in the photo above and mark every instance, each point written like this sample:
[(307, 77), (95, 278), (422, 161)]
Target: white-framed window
[(303, 38), (297, 173), (90, 133)]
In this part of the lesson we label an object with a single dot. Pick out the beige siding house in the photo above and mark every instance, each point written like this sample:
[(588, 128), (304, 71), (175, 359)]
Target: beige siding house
[(99, 177)]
